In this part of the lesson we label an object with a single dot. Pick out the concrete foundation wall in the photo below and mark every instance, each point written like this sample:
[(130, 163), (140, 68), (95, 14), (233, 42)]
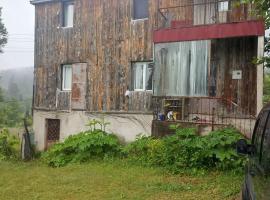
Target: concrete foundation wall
[(126, 126)]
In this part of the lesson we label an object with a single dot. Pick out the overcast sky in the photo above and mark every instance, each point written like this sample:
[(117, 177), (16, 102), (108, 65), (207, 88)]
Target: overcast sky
[(18, 16)]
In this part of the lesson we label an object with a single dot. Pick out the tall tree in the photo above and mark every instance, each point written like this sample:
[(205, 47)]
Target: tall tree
[(3, 33)]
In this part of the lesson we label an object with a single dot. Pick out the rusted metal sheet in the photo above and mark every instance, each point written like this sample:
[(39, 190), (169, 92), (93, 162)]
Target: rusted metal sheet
[(213, 31), (78, 94)]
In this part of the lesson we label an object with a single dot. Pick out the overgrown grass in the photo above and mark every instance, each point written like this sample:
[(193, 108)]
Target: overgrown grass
[(112, 181)]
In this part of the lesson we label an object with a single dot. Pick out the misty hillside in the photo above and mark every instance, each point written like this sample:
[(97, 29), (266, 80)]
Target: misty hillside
[(17, 83)]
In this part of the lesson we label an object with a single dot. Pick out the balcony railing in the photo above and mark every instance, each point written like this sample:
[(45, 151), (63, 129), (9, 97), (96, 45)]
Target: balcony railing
[(203, 12), (211, 111)]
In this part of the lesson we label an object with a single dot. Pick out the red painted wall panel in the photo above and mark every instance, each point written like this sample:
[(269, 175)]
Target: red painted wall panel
[(213, 31)]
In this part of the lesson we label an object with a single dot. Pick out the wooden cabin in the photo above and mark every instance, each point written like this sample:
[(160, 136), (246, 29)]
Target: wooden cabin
[(143, 65)]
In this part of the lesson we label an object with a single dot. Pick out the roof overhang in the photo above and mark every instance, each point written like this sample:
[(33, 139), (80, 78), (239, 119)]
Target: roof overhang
[(213, 31), (40, 1), (34, 2)]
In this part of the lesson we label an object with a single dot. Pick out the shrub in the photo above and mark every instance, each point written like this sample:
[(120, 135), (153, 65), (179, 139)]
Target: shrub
[(8, 145), (83, 147), (145, 150), (183, 150), (186, 150)]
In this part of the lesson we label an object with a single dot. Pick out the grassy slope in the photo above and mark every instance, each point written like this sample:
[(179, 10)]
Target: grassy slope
[(115, 180)]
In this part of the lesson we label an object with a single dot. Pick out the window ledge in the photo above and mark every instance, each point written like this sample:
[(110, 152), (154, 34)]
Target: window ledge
[(138, 20), (66, 27)]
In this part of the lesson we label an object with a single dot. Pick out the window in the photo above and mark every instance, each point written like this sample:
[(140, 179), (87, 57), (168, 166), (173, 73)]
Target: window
[(66, 77), (68, 12), (223, 6), (140, 9), (142, 73)]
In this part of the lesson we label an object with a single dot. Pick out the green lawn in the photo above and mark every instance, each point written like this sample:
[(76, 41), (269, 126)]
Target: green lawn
[(114, 180)]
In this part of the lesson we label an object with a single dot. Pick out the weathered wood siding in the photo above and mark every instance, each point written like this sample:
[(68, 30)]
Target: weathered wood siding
[(107, 40), (104, 37), (236, 54)]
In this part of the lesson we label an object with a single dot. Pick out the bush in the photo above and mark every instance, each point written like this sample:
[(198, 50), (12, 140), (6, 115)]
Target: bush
[(83, 147), (8, 145), (186, 150), (183, 150)]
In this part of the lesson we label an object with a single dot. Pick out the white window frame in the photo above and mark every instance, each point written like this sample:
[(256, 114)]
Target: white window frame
[(64, 88), (223, 6), (145, 66), (65, 14)]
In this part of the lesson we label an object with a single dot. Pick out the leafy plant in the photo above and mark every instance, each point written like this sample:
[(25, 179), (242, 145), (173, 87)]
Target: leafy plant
[(186, 150), (7, 145), (102, 124), (83, 147)]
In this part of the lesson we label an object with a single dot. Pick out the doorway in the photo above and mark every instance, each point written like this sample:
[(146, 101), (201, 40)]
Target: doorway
[(52, 132)]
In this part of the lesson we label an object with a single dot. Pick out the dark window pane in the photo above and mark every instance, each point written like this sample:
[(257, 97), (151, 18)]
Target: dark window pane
[(140, 10), (149, 77)]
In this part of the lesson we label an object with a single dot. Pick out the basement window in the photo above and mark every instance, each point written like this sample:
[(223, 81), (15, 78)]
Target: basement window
[(223, 6), (68, 14), (142, 76), (66, 77), (140, 9)]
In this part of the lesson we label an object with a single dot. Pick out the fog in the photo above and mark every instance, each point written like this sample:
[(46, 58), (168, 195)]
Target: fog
[(18, 17)]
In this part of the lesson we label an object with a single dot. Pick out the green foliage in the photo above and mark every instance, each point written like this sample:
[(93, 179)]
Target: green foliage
[(186, 150), (266, 89), (183, 150), (83, 147), (8, 145), (1, 94), (101, 122), (262, 9), (11, 114), (3, 33)]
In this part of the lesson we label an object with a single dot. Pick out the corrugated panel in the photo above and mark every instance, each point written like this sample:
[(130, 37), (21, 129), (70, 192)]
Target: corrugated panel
[(78, 86), (181, 68)]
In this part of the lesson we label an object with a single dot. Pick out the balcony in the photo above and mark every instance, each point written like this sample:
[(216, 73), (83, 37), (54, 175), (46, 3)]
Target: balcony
[(195, 20), (204, 12)]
